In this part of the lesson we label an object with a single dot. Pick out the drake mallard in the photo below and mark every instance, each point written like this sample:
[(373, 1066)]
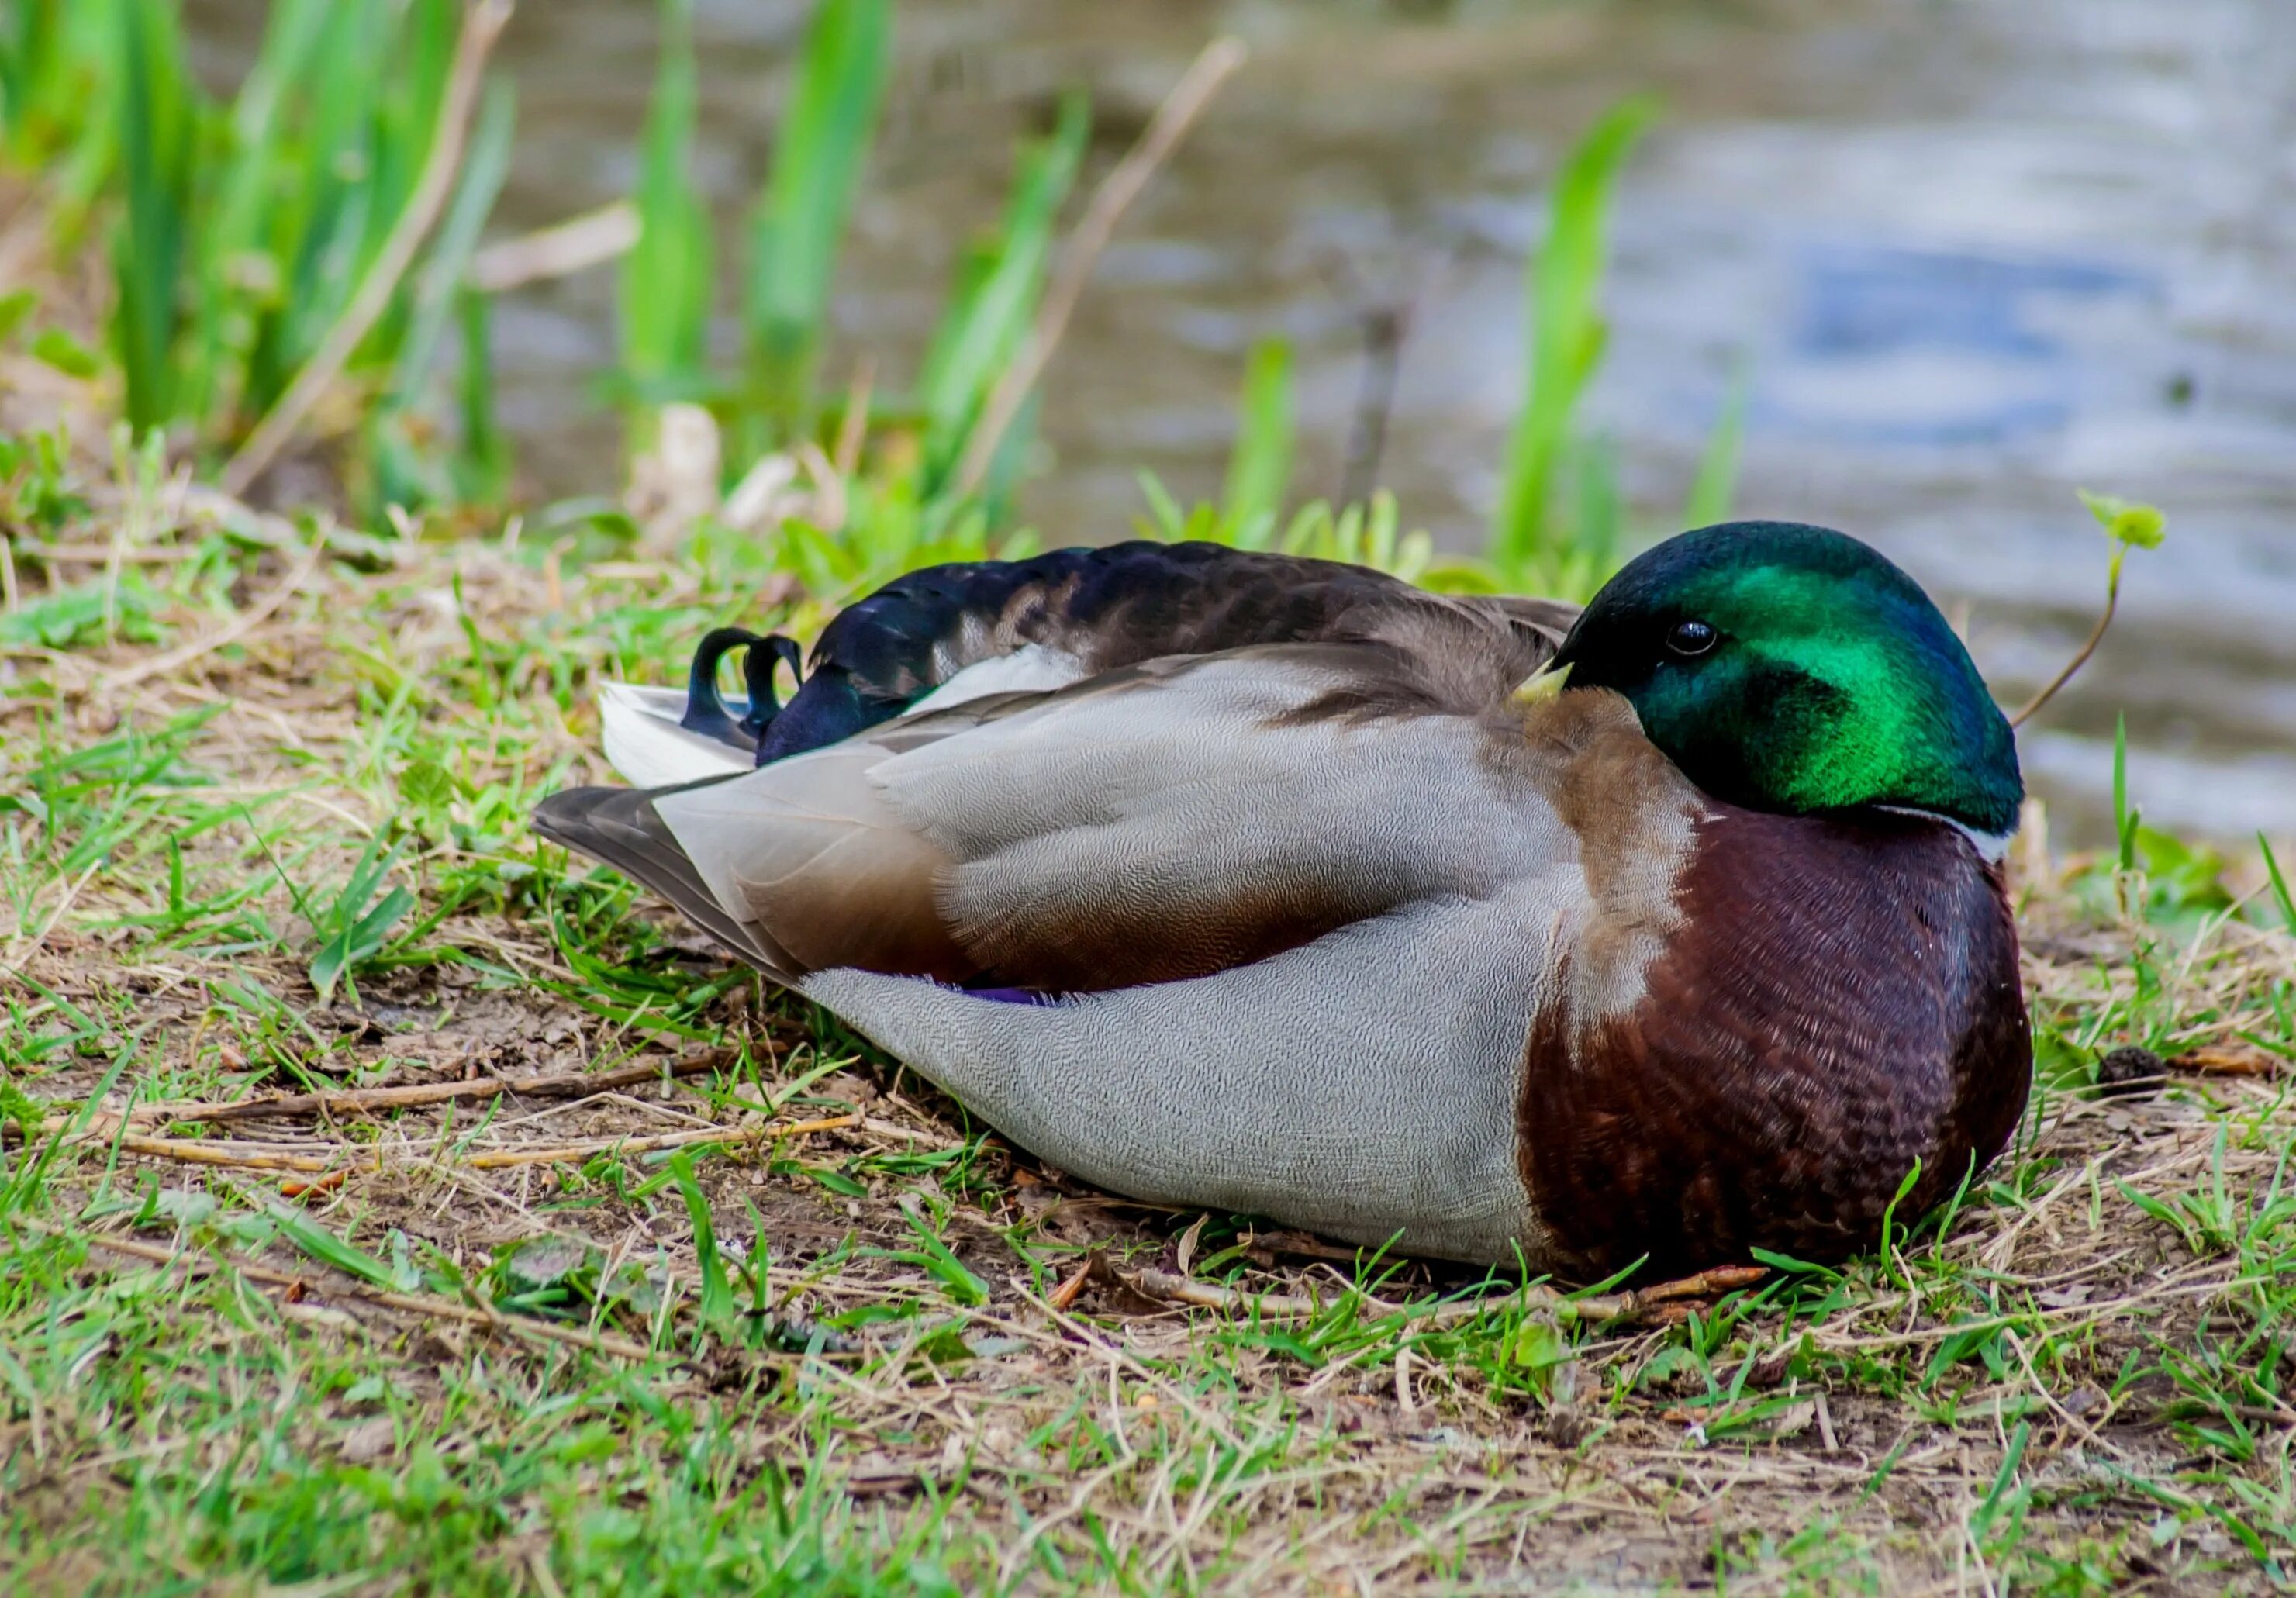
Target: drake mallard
[(1656, 931)]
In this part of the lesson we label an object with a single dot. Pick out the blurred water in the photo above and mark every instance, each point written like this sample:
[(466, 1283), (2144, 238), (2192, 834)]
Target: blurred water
[(1972, 254)]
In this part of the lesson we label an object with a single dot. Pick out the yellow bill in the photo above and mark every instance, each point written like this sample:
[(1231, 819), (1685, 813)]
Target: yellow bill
[(1544, 683)]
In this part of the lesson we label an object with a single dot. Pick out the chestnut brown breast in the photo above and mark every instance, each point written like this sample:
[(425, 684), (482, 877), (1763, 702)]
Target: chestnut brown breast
[(1838, 998)]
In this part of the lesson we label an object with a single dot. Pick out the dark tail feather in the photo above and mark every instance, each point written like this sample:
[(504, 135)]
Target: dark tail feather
[(620, 827)]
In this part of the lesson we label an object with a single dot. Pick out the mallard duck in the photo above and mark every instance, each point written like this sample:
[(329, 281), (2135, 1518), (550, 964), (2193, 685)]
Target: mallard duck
[(1494, 930)]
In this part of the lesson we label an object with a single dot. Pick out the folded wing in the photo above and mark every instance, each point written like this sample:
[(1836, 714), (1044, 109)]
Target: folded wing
[(1169, 821)]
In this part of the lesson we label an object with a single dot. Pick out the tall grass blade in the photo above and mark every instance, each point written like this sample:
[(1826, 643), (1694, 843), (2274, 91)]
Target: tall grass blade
[(1717, 483), (2280, 894), (997, 293), (31, 44), (1597, 525), (1567, 330), (486, 163), (1259, 467), (2124, 818), (402, 477), (407, 119), (666, 281), (320, 216), (159, 126), (716, 1290), (234, 273), (825, 133), (50, 53), (484, 472)]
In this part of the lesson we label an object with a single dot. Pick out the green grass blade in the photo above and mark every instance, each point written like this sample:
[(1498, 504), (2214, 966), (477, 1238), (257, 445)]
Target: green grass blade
[(484, 472), (717, 1291), (825, 133), (990, 315), (1717, 483), (2280, 894), (666, 281), (323, 1246), (230, 232), (2124, 818), (321, 213), (1259, 467), (486, 163), (1982, 1521), (414, 87), (1567, 330), (1598, 519), (159, 125)]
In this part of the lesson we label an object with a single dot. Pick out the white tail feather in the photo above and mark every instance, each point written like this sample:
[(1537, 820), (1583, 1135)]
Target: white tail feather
[(645, 744)]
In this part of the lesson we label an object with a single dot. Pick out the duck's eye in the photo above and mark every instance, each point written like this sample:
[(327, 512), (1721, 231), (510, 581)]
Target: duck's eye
[(1690, 638)]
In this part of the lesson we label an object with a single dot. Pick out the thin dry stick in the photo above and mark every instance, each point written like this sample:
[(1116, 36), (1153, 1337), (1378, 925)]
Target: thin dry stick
[(853, 426), (1664, 1301), (2081, 657), (504, 1158), (482, 25), (931, 1140), (446, 1309), (231, 632), (187, 1151), (337, 1157), (564, 248), (364, 1100), (1110, 201), (18, 956)]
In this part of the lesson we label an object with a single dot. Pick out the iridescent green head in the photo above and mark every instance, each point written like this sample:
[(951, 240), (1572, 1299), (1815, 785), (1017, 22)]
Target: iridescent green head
[(1791, 668)]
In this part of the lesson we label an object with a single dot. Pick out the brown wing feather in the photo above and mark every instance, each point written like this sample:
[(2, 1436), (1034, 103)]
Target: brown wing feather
[(620, 827), (1167, 821)]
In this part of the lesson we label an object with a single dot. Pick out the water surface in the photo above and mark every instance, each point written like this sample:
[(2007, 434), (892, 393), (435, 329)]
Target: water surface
[(1972, 255)]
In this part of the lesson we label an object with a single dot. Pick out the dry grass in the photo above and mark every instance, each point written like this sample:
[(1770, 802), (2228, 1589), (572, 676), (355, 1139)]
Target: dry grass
[(778, 1319)]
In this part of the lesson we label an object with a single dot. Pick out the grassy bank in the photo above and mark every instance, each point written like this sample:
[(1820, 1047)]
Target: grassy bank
[(389, 1203), (740, 1308)]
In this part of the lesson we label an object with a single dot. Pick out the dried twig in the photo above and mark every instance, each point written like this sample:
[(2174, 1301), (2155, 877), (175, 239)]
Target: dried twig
[(502, 1158), (335, 1157), (917, 1134), (231, 632), (482, 25), (365, 1101), (2223, 1059), (564, 248), (1666, 1301), (1110, 201), (444, 1309), (187, 1151)]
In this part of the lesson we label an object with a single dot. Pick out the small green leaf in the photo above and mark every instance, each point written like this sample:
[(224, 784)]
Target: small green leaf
[(65, 353), (425, 784), (945, 1267), (1539, 1345), (839, 1183), (327, 1248), (717, 1291), (18, 1106), (14, 306), (1790, 1264), (2126, 521), (542, 1262)]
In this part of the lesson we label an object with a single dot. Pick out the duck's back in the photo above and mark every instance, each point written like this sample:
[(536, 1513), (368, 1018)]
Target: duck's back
[(950, 633)]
